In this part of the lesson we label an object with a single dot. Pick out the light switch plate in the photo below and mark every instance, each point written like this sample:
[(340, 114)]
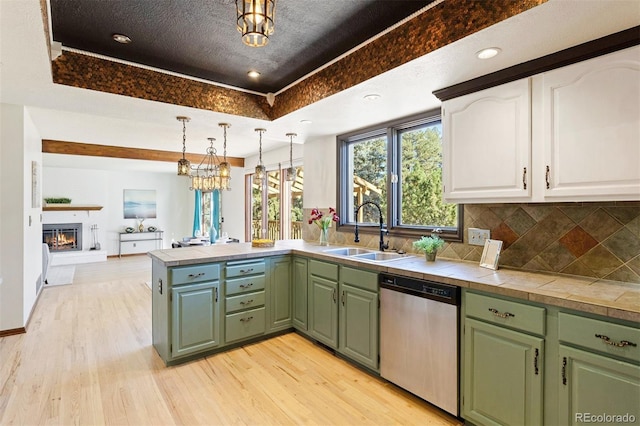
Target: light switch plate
[(478, 236)]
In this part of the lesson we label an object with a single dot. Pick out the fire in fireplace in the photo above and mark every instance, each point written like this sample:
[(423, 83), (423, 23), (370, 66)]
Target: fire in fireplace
[(62, 236)]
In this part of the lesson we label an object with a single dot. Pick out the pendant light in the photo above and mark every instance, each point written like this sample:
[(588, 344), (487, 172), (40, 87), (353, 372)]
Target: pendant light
[(255, 21), (261, 172), (291, 171), (184, 166), (224, 168)]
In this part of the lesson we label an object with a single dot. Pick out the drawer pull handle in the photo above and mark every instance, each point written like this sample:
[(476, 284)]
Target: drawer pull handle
[(246, 285), (196, 275), (246, 271), (246, 319), (500, 314), (620, 344), (247, 302)]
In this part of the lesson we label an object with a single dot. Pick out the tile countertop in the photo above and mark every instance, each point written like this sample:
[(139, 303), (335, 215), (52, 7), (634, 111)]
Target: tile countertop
[(608, 298)]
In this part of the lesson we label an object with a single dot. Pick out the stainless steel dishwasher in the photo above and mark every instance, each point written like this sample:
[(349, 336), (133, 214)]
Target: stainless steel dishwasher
[(419, 323)]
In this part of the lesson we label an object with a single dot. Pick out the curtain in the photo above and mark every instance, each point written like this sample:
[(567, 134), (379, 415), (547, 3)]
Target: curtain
[(197, 213), (215, 215)]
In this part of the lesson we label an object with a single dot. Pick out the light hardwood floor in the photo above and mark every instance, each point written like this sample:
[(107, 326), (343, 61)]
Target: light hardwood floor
[(87, 359)]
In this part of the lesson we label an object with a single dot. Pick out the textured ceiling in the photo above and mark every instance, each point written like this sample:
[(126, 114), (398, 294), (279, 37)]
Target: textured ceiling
[(198, 38)]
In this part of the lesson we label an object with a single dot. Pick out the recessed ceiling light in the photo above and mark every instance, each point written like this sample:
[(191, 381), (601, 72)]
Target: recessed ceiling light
[(488, 53), (372, 97), (305, 121), (121, 38), (253, 74)]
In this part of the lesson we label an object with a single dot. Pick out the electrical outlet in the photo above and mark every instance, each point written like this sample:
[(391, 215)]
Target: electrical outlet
[(478, 236)]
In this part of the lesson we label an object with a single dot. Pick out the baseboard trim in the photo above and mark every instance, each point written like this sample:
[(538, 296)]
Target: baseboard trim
[(13, 331)]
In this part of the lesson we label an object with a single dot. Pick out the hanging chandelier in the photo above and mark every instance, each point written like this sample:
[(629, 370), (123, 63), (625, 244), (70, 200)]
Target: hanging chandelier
[(255, 21), (261, 172), (291, 171), (184, 166), (206, 176)]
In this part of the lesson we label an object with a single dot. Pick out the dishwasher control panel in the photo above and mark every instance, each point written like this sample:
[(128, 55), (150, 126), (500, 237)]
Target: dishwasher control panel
[(422, 288)]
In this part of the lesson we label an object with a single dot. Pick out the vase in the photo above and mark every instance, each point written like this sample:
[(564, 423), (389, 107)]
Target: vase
[(324, 237), (431, 256), (141, 227)]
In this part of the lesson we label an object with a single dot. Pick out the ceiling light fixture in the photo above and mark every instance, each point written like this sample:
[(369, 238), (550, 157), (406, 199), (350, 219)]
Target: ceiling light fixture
[(488, 53), (372, 97), (255, 21), (306, 121), (206, 177), (261, 172), (253, 74), (121, 38), (184, 166), (224, 167), (291, 171)]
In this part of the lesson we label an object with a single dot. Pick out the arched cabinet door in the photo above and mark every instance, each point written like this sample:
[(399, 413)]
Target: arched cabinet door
[(487, 144), (591, 129)]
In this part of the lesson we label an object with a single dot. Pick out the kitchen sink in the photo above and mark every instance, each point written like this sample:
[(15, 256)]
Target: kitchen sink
[(380, 256), (347, 251)]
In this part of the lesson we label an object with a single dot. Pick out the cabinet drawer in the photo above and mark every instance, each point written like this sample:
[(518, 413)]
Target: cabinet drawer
[(504, 312), (244, 285), (241, 269), (323, 269), (600, 335), (364, 279), (244, 301), (245, 324), (193, 274)]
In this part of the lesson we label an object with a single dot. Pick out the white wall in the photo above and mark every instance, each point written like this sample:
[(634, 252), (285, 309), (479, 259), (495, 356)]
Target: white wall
[(20, 227), (174, 201), (232, 203), (320, 173)]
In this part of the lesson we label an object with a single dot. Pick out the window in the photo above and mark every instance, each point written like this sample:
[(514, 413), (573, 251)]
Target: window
[(398, 166), (276, 206)]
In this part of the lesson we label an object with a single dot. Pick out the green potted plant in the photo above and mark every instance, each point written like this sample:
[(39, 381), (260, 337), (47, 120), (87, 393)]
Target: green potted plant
[(429, 245), (57, 200)]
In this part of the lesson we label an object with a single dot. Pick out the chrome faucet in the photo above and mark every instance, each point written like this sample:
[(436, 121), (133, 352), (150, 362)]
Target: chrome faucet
[(382, 244)]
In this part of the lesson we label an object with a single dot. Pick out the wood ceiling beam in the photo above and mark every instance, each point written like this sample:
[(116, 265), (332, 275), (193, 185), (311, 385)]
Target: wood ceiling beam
[(93, 150)]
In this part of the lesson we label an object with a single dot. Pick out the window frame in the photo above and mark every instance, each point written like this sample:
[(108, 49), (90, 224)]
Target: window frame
[(392, 130)]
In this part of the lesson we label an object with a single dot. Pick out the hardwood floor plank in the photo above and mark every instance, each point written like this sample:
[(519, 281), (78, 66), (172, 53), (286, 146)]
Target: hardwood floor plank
[(87, 359)]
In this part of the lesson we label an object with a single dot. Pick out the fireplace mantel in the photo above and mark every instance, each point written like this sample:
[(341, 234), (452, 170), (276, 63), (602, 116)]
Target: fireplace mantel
[(69, 207)]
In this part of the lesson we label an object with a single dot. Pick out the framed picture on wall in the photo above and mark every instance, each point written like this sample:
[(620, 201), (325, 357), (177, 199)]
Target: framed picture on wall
[(36, 197), (139, 203)]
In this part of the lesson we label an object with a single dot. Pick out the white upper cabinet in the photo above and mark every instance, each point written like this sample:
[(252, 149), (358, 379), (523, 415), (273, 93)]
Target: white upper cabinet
[(487, 144), (591, 128), (570, 134)]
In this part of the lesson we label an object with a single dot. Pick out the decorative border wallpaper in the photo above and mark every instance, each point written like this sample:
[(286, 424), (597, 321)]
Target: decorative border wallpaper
[(598, 240)]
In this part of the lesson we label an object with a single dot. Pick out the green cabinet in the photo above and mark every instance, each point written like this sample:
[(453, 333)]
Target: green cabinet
[(593, 385), (186, 309), (343, 310), (323, 309), (502, 381), (599, 371), (358, 316), (300, 292), (196, 320), (246, 286), (503, 361), (280, 294)]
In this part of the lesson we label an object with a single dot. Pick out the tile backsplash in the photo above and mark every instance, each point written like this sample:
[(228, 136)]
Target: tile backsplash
[(599, 240)]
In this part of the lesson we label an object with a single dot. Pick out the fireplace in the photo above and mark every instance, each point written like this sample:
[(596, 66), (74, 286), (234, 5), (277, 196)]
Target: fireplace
[(62, 236)]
